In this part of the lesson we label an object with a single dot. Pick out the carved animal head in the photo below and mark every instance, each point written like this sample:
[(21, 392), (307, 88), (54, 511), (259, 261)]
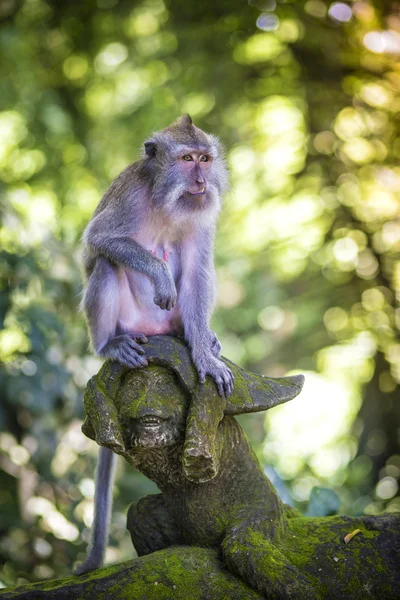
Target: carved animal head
[(151, 408), (187, 170), (132, 409)]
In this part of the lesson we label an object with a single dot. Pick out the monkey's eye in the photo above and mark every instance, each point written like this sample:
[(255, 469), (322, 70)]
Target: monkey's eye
[(204, 158), (187, 157)]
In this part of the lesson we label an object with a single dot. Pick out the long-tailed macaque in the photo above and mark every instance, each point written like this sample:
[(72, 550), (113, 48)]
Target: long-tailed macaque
[(149, 269), (149, 252)]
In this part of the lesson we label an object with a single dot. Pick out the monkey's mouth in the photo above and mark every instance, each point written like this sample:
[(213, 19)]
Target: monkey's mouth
[(199, 193)]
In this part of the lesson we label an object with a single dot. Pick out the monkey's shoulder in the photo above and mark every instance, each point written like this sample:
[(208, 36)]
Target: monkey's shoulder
[(131, 182)]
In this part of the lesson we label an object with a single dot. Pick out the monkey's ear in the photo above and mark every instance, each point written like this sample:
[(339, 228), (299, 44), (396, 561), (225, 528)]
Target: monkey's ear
[(186, 120), (150, 149)]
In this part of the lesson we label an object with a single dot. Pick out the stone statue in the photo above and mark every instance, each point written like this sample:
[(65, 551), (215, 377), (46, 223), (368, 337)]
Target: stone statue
[(217, 530), (214, 491)]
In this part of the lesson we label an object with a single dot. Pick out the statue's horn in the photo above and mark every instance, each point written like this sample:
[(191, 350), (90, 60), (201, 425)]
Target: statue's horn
[(254, 393), (251, 392)]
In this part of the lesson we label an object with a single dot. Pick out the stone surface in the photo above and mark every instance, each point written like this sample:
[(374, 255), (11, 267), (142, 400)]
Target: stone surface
[(365, 569)]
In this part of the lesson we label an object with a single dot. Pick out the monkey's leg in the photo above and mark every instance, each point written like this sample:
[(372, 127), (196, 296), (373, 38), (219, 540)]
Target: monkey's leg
[(196, 297), (151, 526), (102, 509), (101, 304), (205, 348), (248, 551)]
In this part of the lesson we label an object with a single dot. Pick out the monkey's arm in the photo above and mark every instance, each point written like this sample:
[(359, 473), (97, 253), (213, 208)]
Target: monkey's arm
[(117, 246), (196, 298)]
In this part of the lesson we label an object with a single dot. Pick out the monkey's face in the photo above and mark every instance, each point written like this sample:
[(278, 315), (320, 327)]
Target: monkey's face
[(190, 182), (194, 168), (152, 409), (187, 170)]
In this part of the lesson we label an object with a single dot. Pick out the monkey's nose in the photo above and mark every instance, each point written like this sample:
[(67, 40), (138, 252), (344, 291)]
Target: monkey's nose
[(199, 179)]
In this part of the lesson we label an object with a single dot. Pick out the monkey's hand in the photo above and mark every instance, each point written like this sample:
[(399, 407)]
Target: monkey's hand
[(165, 288), (207, 364)]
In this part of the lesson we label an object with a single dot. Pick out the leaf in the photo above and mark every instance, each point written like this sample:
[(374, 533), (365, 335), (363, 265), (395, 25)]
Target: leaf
[(347, 538)]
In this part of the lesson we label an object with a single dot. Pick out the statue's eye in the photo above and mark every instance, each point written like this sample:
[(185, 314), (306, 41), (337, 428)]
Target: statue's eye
[(204, 158), (187, 157)]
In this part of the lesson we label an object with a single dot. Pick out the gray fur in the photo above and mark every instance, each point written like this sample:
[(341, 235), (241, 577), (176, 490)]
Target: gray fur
[(151, 200), (103, 501)]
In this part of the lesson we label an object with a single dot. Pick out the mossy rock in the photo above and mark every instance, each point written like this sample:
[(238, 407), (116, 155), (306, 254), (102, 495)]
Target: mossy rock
[(176, 574), (366, 568)]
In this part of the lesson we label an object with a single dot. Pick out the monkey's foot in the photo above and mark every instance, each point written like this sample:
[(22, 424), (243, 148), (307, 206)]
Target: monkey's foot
[(207, 364), (126, 350), (215, 346)]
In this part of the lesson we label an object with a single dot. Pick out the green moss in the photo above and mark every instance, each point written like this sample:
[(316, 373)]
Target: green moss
[(317, 547), (177, 574), (364, 567)]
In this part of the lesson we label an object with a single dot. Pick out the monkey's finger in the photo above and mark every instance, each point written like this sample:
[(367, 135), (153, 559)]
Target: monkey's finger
[(135, 346), (140, 362), (127, 358), (228, 388), (159, 301), (164, 303), (221, 391), (225, 387), (220, 386), (228, 383), (140, 337), (133, 360)]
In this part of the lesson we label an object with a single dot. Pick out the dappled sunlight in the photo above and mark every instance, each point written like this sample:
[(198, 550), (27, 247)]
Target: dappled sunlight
[(258, 48), (310, 429), (52, 519), (70, 446), (305, 99)]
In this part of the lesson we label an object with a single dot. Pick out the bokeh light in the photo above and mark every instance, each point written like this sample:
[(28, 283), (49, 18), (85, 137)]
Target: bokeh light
[(305, 98)]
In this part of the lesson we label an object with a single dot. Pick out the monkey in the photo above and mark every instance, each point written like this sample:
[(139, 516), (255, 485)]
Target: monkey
[(148, 257), (149, 270)]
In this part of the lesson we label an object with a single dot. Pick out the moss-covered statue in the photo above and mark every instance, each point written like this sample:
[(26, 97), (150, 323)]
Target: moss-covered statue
[(214, 492), (218, 529)]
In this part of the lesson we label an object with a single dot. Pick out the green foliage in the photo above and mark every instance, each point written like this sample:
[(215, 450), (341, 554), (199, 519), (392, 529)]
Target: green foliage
[(306, 103)]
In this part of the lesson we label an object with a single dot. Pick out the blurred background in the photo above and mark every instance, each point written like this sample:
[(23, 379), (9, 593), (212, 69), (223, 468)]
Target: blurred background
[(305, 97)]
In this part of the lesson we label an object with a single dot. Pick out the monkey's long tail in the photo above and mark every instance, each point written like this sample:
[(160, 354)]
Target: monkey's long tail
[(102, 509)]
